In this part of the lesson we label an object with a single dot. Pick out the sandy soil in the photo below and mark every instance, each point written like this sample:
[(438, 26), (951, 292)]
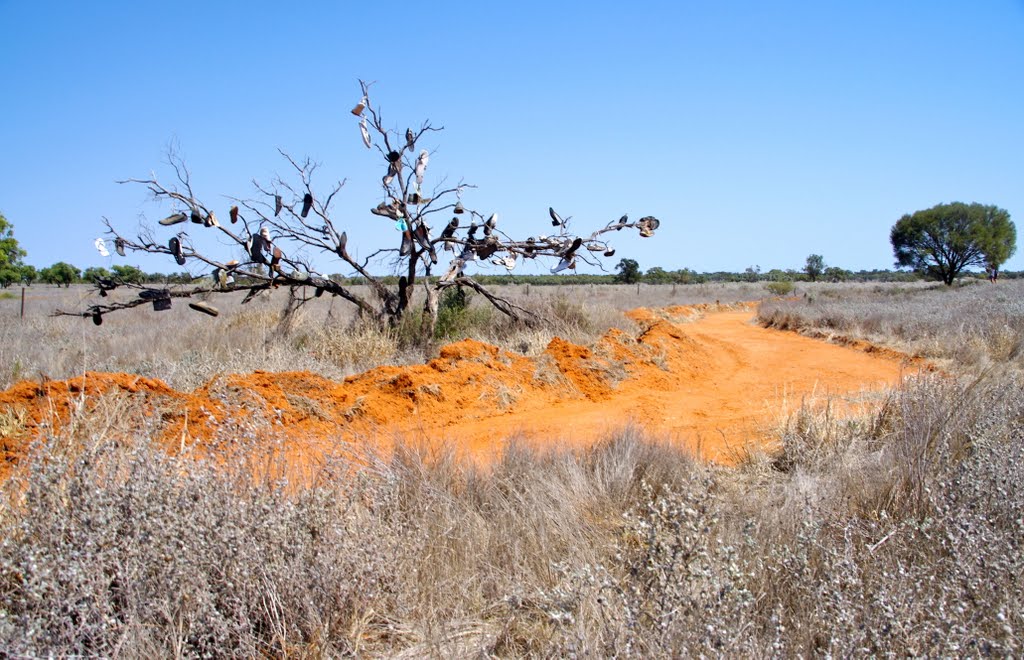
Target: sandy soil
[(715, 382), (707, 378)]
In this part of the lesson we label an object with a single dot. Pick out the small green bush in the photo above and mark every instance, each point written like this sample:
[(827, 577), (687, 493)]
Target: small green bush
[(782, 288), (456, 318)]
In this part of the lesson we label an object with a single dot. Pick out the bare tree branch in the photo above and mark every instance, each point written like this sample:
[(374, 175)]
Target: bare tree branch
[(287, 222)]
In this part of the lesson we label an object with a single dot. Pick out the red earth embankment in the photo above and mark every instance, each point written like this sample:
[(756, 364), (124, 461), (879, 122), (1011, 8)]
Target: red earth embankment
[(707, 379)]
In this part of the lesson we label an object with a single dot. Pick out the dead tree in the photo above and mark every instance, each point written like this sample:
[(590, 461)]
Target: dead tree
[(440, 236)]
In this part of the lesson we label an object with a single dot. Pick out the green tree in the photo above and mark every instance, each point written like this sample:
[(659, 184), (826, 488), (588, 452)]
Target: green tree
[(629, 272), (836, 274), (9, 275), (998, 239), (657, 275), (11, 254), (93, 273), (28, 274), (814, 267), (942, 241), (686, 276), (129, 274), (60, 273)]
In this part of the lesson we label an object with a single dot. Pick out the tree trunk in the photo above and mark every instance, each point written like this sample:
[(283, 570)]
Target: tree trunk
[(430, 305), (404, 298)]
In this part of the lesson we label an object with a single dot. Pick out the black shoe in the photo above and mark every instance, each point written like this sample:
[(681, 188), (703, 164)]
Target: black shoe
[(256, 249), (571, 252), (424, 239), (531, 250), (154, 294), (174, 245), (486, 248)]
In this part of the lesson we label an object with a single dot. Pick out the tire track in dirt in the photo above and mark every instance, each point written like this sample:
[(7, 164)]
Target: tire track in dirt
[(707, 378)]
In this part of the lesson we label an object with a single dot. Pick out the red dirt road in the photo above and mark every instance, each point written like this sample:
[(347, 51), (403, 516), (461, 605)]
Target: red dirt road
[(717, 385), (711, 380)]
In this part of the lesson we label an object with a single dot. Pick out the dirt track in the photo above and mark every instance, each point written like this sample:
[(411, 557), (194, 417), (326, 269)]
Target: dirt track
[(711, 380), (714, 383)]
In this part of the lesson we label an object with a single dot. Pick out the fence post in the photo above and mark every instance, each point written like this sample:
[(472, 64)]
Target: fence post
[(22, 302)]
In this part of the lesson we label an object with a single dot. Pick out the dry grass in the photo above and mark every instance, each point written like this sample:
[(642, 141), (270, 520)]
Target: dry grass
[(899, 533), (896, 533), (186, 349), (976, 325)]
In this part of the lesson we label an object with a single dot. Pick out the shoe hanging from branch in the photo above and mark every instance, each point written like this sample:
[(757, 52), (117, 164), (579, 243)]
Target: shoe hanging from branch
[(289, 234)]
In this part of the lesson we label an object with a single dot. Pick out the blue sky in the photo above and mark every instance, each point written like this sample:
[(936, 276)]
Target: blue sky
[(757, 132)]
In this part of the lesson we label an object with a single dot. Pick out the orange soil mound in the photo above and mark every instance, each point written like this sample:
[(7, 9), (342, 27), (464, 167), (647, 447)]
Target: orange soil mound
[(705, 377)]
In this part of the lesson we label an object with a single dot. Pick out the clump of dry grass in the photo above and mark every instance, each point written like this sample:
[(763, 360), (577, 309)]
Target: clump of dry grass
[(357, 347), (895, 532), (12, 423)]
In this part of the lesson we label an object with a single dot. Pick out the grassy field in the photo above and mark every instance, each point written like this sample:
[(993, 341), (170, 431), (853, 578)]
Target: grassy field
[(893, 534), (186, 349)]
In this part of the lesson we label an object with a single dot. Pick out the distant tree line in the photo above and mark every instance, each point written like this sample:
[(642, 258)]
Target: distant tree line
[(64, 274), (939, 243)]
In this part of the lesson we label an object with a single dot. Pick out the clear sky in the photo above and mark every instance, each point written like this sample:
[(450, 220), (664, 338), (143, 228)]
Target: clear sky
[(758, 132)]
